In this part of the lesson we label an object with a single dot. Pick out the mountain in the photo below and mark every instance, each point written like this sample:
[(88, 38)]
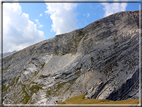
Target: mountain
[(100, 60), (6, 53)]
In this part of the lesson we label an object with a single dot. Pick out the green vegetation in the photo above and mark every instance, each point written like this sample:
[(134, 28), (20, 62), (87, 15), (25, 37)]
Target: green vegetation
[(73, 100), (56, 53), (23, 93), (26, 96), (32, 49), (26, 91), (5, 68), (35, 73), (35, 88), (61, 88), (78, 71), (44, 76), (81, 33), (4, 88), (42, 65), (78, 40), (60, 85), (53, 91), (79, 37), (79, 99), (49, 92), (29, 62)]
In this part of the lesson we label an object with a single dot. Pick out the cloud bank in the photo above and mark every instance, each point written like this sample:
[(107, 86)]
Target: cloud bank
[(111, 8), (63, 16), (18, 31)]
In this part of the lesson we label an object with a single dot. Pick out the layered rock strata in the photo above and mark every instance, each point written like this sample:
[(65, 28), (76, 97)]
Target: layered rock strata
[(100, 60)]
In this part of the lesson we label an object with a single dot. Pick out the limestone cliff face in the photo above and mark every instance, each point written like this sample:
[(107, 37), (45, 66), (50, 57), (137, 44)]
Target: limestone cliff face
[(100, 60)]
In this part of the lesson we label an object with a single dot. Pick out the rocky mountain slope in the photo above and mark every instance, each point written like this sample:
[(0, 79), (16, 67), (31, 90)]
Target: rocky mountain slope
[(100, 60)]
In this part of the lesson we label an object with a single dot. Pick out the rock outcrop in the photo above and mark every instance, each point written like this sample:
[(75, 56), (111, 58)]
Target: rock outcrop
[(100, 60)]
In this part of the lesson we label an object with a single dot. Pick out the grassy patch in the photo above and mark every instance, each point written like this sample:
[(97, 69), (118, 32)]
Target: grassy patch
[(78, 40), (26, 96), (24, 93), (78, 71), (4, 88), (44, 76), (56, 53), (56, 90), (79, 99), (60, 85), (29, 62), (35, 88), (5, 68), (42, 65), (73, 99), (35, 73), (61, 88), (31, 50), (11, 83), (49, 92)]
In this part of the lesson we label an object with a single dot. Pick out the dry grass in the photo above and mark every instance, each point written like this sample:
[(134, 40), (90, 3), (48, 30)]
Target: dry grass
[(79, 99)]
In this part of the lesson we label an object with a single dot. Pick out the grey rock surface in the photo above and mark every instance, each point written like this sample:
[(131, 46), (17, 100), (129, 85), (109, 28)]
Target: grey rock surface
[(100, 60)]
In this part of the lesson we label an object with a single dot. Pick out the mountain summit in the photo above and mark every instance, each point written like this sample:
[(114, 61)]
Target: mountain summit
[(100, 60)]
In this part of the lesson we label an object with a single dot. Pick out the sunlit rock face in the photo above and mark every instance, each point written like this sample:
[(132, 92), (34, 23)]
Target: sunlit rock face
[(100, 60)]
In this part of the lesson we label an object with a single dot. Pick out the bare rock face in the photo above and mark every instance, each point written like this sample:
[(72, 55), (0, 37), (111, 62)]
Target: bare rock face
[(100, 60)]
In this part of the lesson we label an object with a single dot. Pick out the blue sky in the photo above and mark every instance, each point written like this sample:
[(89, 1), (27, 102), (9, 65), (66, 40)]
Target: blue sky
[(86, 14), (27, 23)]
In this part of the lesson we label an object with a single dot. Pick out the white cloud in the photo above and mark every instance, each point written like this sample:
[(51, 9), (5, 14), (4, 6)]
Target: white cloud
[(39, 25), (88, 14), (46, 11), (18, 31), (40, 14), (63, 16), (37, 21), (111, 8)]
